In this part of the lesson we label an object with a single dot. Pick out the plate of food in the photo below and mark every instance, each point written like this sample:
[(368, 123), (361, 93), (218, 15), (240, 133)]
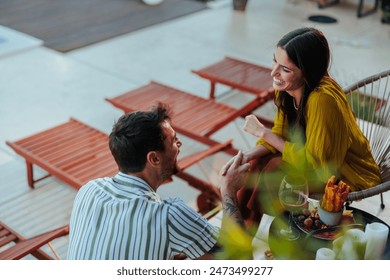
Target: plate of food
[(309, 222), (320, 224)]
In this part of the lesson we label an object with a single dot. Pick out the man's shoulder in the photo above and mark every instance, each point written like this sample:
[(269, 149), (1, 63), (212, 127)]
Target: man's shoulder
[(177, 204), (173, 201), (95, 185), (97, 182)]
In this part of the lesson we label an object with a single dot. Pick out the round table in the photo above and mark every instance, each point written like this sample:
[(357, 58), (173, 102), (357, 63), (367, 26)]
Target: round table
[(306, 246)]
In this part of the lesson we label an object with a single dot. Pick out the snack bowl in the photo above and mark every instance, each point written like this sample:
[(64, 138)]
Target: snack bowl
[(329, 218)]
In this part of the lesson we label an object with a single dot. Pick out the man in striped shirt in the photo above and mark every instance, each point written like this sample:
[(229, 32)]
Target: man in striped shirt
[(123, 217)]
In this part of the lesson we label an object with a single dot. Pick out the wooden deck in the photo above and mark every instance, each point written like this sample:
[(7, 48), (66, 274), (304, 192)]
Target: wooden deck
[(31, 212)]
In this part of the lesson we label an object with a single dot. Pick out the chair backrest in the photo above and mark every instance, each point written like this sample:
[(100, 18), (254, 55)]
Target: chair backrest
[(369, 99)]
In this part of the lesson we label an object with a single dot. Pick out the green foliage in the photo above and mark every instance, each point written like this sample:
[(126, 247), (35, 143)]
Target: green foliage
[(281, 247), (316, 176), (363, 106), (236, 242)]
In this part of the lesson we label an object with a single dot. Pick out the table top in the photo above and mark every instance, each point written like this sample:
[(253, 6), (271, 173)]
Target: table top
[(306, 246)]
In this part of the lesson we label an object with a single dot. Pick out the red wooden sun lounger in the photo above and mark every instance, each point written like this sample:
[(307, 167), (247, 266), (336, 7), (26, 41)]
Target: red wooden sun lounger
[(241, 75), (25, 246), (76, 153), (73, 152), (193, 116)]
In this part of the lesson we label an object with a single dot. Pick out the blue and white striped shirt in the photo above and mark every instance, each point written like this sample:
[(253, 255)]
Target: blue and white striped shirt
[(123, 218)]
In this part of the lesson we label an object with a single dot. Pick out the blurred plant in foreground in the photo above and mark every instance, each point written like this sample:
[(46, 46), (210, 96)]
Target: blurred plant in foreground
[(235, 241)]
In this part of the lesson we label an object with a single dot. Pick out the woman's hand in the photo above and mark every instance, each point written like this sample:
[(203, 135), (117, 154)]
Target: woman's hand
[(254, 126)]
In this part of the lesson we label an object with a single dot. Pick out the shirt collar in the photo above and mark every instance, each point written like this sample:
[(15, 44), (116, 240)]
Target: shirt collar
[(140, 184)]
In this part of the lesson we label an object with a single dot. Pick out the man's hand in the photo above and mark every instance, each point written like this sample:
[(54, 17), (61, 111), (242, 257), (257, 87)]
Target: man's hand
[(254, 126), (235, 173), (233, 180), (180, 256), (224, 169)]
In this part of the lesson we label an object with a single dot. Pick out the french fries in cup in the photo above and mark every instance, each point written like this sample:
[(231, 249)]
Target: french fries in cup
[(335, 195)]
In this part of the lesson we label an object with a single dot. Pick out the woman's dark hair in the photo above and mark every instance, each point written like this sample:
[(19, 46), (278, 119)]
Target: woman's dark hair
[(308, 49), (135, 134)]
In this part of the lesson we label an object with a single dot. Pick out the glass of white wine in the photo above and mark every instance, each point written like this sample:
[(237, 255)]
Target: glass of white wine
[(293, 194)]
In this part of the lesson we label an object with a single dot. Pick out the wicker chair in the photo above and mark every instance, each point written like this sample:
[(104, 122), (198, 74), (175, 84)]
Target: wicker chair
[(369, 99)]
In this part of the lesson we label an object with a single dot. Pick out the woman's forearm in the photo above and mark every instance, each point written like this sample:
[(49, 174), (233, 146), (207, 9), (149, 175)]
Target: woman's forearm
[(256, 152), (274, 140)]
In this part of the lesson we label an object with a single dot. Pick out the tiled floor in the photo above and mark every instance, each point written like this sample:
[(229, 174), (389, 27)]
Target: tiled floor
[(41, 87)]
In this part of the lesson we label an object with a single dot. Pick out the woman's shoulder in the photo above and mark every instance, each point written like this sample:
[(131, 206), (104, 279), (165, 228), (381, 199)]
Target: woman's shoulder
[(328, 89), (328, 83)]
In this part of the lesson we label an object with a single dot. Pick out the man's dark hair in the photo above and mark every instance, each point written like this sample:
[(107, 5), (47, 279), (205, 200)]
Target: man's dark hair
[(135, 134)]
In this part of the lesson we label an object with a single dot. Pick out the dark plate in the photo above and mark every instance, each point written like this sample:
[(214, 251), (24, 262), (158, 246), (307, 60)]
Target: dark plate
[(306, 246), (330, 234), (327, 233)]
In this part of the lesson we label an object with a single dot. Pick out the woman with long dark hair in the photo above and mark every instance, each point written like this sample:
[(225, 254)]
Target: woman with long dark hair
[(315, 133)]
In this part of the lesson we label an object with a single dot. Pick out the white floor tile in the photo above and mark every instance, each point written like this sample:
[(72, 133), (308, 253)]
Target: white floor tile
[(13, 42)]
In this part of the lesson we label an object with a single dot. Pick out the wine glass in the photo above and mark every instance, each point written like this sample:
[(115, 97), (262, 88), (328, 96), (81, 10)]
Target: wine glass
[(293, 194)]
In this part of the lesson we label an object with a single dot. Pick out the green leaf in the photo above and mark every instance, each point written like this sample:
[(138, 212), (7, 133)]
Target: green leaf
[(235, 241)]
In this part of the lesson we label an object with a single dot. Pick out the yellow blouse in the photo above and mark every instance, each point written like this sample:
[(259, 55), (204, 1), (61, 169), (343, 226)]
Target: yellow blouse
[(334, 141)]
